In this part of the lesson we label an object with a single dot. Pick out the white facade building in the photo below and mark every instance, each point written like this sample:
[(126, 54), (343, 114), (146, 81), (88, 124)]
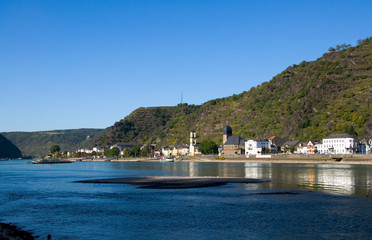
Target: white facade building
[(319, 148), (301, 149), (98, 149), (166, 151), (184, 151), (180, 150), (338, 144), (257, 146), (89, 151)]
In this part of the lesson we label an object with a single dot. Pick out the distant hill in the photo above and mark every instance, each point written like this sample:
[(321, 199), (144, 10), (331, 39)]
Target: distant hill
[(38, 143), (306, 101), (8, 149)]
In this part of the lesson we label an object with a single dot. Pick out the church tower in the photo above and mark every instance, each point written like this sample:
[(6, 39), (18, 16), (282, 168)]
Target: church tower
[(227, 132), (192, 143)]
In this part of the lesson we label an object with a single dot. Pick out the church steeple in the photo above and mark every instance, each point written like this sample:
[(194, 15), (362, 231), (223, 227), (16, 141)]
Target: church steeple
[(192, 143), (227, 132)]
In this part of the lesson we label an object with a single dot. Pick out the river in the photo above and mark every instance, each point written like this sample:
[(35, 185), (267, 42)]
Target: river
[(308, 201)]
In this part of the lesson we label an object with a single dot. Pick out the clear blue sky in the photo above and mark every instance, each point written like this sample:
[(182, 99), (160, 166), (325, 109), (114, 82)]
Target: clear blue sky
[(87, 64)]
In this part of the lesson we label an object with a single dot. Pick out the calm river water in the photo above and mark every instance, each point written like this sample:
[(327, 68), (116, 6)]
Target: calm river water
[(307, 201)]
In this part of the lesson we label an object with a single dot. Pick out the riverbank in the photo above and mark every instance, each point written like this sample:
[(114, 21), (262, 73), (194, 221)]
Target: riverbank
[(9, 231), (300, 159)]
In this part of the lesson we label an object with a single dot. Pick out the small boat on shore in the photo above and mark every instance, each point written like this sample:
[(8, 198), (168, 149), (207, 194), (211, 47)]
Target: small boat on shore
[(167, 159)]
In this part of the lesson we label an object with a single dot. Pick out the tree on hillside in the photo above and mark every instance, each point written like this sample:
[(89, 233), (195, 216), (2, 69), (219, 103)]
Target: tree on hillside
[(339, 47), (54, 148), (208, 147), (331, 49)]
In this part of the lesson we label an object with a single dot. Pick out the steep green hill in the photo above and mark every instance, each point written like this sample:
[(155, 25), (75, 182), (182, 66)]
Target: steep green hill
[(306, 101), (38, 143), (8, 149), (150, 125)]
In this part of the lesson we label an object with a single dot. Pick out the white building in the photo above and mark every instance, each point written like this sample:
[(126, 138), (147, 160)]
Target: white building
[(166, 151), (122, 146), (89, 151), (180, 150), (98, 149), (257, 146), (301, 149), (319, 148), (338, 144), (183, 151)]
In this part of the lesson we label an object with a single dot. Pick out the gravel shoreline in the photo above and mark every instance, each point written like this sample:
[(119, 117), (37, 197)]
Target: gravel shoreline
[(300, 159), (174, 182)]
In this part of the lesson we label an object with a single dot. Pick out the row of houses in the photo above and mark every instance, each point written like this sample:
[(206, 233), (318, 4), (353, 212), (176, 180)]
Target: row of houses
[(182, 150), (334, 144), (101, 150), (236, 145)]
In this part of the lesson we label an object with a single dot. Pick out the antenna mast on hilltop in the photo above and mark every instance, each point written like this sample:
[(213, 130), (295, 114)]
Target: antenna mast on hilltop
[(181, 97)]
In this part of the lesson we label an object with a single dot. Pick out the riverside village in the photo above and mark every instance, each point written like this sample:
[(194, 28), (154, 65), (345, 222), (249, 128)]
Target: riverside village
[(235, 145)]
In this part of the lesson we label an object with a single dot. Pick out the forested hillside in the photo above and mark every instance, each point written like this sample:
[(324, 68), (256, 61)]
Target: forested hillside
[(150, 125), (8, 149), (38, 143), (306, 101)]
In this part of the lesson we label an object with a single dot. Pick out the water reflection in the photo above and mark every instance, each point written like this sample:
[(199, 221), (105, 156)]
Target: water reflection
[(341, 178), (258, 170), (336, 179)]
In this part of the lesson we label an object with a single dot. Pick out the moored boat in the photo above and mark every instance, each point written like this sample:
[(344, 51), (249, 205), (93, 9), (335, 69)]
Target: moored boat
[(167, 159)]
